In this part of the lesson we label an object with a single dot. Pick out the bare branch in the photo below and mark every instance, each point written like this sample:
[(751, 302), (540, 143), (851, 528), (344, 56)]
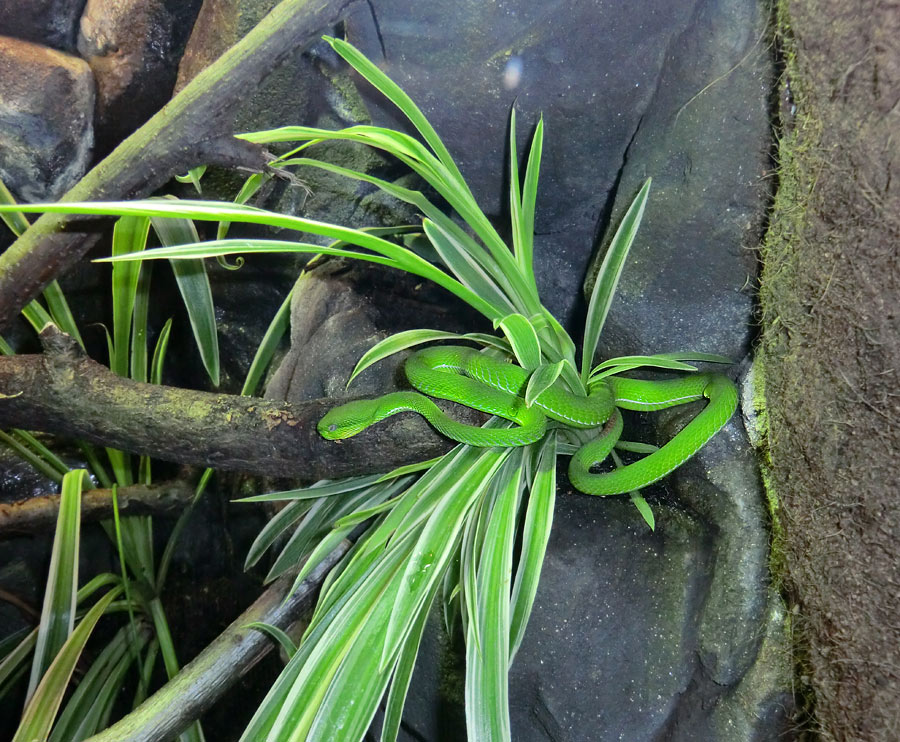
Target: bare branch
[(64, 392), (192, 129), (38, 514), (203, 681)]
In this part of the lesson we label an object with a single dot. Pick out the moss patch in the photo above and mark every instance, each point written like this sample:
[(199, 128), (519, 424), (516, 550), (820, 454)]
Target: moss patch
[(829, 354)]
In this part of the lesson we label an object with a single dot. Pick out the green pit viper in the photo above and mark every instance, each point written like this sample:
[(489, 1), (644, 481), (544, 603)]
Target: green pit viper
[(471, 378)]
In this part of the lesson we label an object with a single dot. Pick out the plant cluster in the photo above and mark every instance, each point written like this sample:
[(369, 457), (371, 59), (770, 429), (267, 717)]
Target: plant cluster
[(443, 532)]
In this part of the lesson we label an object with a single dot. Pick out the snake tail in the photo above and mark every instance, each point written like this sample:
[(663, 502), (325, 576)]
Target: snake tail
[(648, 395)]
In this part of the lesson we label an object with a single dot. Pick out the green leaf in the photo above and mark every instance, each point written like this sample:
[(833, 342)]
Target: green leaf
[(60, 311), (412, 153), (529, 199), (541, 380), (536, 534), (432, 212), (409, 469), (82, 715), (657, 361), (399, 98), (268, 346), (193, 283), (523, 339), (48, 467), (397, 256), (323, 488), (13, 218), (393, 711), (292, 705), (398, 342), (193, 176), (286, 643), (129, 236), (36, 315), (487, 700), (435, 545), (14, 663), (369, 499), (608, 278), (644, 509), (58, 613), (454, 255), (276, 527), (139, 323), (41, 709), (159, 353)]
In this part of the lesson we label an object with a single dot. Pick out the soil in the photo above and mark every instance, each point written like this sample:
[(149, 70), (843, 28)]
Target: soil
[(831, 354)]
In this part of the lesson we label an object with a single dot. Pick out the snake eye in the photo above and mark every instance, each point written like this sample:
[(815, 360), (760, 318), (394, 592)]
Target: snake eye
[(332, 427)]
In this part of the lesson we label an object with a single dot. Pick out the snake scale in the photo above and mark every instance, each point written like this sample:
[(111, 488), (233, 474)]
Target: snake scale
[(470, 378)]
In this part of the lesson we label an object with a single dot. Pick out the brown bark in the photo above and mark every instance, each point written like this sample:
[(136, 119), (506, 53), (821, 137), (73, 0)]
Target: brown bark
[(64, 392), (194, 128), (38, 514)]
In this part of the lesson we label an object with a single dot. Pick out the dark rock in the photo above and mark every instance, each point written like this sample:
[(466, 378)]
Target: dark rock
[(704, 138), (48, 22), (133, 47), (46, 119), (341, 309)]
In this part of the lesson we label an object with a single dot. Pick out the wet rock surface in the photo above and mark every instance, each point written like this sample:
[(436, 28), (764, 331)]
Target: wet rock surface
[(50, 22), (46, 119), (133, 48)]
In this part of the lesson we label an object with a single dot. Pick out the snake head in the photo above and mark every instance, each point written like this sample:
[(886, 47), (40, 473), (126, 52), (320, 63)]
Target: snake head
[(347, 420)]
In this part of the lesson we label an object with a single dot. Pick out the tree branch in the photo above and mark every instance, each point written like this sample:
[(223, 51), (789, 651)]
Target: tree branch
[(192, 129), (64, 392), (203, 681), (38, 514)]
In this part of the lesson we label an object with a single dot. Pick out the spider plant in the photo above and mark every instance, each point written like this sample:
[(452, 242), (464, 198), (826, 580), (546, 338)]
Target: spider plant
[(56, 644), (443, 531)]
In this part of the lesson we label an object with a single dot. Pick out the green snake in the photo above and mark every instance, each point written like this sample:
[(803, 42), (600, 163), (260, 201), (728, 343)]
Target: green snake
[(473, 379)]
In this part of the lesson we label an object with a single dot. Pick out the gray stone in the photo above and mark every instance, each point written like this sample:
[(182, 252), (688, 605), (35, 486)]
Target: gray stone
[(49, 22), (133, 47), (46, 119)]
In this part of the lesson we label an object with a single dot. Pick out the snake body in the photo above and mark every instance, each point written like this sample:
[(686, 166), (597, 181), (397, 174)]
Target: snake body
[(470, 378)]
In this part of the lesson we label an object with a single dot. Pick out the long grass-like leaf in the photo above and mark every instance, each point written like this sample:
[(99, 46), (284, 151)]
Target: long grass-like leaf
[(129, 236), (265, 352), (275, 528), (542, 379), (284, 641), (455, 256), (529, 200), (536, 534), (608, 278), (322, 652), (215, 211), (14, 663), (193, 283), (435, 545), (58, 613), (41, 709), (323, 488), (81, 716), (487, 700), (523, 339), (398, 342), (415, 155)]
